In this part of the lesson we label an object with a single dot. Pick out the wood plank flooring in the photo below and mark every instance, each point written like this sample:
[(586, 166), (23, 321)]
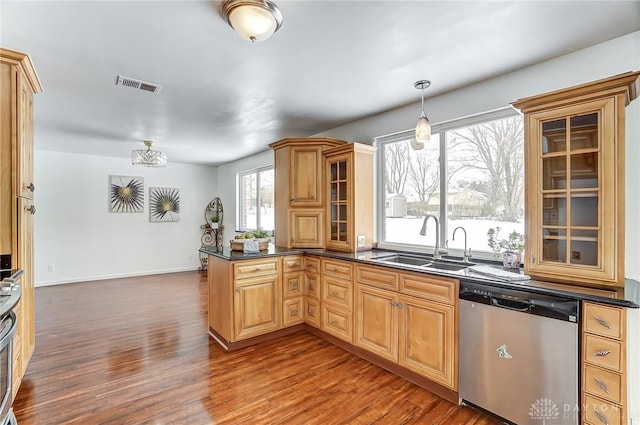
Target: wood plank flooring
[(136, 351)]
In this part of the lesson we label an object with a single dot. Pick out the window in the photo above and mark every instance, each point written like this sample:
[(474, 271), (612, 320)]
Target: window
[(255, 199), (471, 172)]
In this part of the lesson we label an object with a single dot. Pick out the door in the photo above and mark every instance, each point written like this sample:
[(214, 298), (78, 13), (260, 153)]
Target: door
[(427, 340), (377, 321), (257, 306)]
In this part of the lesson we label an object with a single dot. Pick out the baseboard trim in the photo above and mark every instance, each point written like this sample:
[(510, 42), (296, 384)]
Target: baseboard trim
[(114, 276), (237, 345)]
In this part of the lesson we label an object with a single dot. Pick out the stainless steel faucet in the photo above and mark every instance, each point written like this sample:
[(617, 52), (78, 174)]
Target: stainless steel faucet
[(437, 251), (467, 251)]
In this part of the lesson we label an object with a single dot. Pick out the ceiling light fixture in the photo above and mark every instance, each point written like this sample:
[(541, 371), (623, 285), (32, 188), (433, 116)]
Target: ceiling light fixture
[(254, 20), (423, 128), (147, 157)]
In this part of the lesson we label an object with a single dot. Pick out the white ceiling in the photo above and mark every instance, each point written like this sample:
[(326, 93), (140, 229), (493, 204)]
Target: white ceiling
[(224, 98)]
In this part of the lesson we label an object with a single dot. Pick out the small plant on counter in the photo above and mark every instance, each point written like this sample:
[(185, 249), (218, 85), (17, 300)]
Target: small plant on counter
[(215, 218), (261, 234), (513, 243)]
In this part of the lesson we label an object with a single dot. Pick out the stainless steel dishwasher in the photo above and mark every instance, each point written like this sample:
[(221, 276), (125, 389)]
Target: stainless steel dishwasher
[(519, 354)]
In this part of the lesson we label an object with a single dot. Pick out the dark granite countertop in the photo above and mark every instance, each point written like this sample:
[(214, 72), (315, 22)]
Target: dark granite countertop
[(627, 297)]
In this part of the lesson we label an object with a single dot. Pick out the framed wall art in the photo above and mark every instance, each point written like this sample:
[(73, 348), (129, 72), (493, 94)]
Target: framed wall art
[(126, 194), (164, 204)]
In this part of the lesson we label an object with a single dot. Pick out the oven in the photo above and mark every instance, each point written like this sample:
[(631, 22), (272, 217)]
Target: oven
[(8, 325)]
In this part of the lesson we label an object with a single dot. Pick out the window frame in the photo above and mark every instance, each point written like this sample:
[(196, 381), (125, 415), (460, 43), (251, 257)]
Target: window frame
[(241, 227), (380, 196)]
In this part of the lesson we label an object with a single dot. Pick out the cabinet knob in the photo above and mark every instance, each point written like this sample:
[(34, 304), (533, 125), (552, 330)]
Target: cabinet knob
[(31, 209), (31, 187), (602, 322), (238, 290)]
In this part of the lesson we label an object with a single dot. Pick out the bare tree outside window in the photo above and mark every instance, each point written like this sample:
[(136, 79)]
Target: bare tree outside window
[(483, 184)]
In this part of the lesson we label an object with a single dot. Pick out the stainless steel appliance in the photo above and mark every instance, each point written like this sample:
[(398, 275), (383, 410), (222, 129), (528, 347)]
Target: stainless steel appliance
[(519, 354)]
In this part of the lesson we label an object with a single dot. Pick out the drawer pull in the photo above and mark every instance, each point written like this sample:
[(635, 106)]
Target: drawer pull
[(335, 269), (333, 322), (602, 385), (602, 353), (294, 287), (310, 286), (601, 416), (238, 290), (257, 269), (334, 293), (310, 311), (602, 322), (294, 312)]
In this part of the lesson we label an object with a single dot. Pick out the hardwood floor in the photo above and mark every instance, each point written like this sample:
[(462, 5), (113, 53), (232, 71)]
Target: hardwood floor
[(136, 351)]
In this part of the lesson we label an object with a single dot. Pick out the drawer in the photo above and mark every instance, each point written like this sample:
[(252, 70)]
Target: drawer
[(432, 288), (292, 285), (604, 320), (312, 312), (601, 412), (379, 277), (337, 322), (603, 383), (337, 292), (341, 269), (292, 311), (312, 265), (603, 352), (255, 268), (292, 263), (312, 285)]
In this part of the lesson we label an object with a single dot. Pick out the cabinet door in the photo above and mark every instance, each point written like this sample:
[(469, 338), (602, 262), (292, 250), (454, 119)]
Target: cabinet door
[(312, 312), (306, 228), (257, 306), (427, 340), (292, 310), (339, 208), (292, 285), (26, 210), (25, 141), (305, 176), (377, 321)]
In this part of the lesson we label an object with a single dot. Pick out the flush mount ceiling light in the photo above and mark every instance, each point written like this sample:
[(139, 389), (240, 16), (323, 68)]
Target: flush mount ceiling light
[(423, 128), (148, 157), (254, 20)]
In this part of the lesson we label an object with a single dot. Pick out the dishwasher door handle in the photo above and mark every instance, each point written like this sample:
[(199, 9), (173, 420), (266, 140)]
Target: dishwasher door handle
[(497, 303)]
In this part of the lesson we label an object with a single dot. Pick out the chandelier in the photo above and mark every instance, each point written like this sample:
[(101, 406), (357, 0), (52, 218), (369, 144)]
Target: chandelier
[(254, 20), (148, 157)]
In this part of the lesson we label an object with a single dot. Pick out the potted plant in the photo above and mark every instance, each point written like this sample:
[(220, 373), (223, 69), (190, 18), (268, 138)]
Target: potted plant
[(215, 220), (510, 248)]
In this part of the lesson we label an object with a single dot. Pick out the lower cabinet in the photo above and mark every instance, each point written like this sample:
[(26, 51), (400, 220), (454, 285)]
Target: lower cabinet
[(257, 305), (311, 301), (604, 395), (417, 333)]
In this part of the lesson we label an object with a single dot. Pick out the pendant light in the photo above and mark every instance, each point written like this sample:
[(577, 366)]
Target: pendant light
[(423, 127), (254, 20), (148, 157)]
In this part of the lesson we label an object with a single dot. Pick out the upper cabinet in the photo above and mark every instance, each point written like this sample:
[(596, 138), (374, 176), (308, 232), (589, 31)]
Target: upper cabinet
[(299, 191), (574, 172), (349, 220)]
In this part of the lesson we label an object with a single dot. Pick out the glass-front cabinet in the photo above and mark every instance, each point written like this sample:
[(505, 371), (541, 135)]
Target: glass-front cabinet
[(574, 209), (349, 215)]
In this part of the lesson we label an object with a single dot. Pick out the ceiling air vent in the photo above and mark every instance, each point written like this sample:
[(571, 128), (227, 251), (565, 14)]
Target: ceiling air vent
[(137, 84)]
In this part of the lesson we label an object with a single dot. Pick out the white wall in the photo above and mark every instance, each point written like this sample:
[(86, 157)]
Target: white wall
[(76, 233)]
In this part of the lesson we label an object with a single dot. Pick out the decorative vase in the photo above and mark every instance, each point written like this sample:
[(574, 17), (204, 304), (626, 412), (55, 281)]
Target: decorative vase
[(511, 260)]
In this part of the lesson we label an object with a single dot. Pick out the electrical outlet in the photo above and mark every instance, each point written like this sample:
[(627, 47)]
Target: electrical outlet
[(51, 267), (361, 240)]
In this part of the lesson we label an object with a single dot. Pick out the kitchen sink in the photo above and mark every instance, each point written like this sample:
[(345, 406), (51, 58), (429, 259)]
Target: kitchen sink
[(426, 262), (447, 265), (412, 260)]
